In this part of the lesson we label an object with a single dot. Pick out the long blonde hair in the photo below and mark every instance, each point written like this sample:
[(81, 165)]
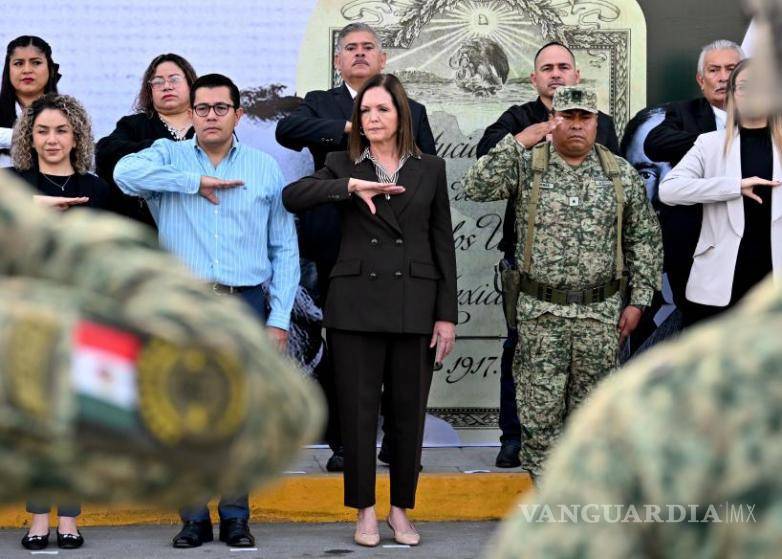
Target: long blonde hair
[(734, 118)]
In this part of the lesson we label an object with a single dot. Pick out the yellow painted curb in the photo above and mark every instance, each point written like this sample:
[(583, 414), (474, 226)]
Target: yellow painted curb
[(318, 498)]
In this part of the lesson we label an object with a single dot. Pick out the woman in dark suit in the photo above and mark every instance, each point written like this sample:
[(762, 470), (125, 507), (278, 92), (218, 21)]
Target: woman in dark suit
[(391, 307)]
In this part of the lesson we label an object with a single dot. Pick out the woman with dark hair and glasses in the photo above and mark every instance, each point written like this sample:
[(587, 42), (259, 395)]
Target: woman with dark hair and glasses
[(28, 73), (162, 111)]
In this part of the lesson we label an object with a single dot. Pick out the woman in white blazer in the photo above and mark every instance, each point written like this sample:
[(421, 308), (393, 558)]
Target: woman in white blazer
[(733, 173)]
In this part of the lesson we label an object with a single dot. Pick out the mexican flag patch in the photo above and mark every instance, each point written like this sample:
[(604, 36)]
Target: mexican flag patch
[(103, 374)]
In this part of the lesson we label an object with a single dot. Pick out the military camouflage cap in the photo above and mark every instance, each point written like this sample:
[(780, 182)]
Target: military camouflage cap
[(572, 97)]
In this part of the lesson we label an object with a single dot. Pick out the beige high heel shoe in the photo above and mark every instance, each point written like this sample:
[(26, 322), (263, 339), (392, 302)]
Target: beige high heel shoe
[(367, 539), (410, 537)]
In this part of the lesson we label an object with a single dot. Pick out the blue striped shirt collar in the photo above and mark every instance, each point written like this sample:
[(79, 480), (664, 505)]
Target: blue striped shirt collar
[(231, 152)]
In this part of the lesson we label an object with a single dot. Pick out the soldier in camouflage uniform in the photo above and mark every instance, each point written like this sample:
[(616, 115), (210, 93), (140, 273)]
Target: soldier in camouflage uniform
[(123, 378), (692, 431), (584, 224)]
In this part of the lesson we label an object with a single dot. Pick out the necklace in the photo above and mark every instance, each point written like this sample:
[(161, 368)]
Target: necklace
[(179, 134), (55, 183)]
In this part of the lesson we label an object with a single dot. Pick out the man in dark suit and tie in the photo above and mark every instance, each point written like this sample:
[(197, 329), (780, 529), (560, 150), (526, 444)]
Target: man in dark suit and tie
[(321, 124), (671, 140)]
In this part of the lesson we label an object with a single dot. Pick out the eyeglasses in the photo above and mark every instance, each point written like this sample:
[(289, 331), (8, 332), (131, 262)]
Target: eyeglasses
[(221, 109), (160, 82)]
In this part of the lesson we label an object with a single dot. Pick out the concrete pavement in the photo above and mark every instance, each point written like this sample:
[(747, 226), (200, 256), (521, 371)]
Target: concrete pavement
[(442, 540)]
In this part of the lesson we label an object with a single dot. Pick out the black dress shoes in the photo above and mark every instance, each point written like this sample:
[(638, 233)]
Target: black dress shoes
[(35, 543), (337, 462), (193, 534), (69, 541), (236, 533), (508, 457)]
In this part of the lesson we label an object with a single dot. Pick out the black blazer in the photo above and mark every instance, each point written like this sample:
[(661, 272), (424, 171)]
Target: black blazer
[(681, 225), (132, 134), (684, 122), (396, 270), (513, 121), (80, 185)]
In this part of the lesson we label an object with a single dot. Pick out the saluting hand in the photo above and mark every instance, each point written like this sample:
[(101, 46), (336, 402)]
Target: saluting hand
[(61, 203), (536, 133), (443, 337), (366, 190), (748, 187), (210, 184)]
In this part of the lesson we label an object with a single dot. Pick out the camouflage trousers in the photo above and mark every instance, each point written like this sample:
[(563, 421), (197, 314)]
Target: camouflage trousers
[(558, 361)]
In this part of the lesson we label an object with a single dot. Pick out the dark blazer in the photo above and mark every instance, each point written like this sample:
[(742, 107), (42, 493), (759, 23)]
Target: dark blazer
[(513, 121), (132, 134), (319, 124), (396, 270), (80, 185), (681, 225), (684, 122)]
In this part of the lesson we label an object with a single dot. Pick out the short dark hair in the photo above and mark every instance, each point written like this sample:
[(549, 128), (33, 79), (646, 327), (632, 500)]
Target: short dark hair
[(405, 141), (552, 44), (7, 92), (144, 98), (216, 80)]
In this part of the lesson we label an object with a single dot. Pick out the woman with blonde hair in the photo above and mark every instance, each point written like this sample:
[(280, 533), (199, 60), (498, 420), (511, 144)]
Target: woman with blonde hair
[(734, 174), (53, 150)]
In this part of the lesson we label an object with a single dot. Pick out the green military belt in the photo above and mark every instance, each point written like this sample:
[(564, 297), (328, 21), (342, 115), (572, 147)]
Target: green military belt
[(549, 294)]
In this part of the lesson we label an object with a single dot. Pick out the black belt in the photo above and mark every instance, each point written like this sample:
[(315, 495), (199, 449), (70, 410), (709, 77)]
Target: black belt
[(231, 289), (588, 296)]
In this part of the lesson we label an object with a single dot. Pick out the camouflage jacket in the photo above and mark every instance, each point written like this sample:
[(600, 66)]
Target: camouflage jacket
[(122, 377), (692, 431), (575, 230)]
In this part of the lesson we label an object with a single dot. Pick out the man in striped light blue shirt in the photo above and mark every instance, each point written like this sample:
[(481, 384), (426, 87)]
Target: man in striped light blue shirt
[(218, 207)]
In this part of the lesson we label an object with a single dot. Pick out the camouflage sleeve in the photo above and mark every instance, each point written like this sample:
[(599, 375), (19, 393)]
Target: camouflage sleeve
[(642, 240), (496, 175)]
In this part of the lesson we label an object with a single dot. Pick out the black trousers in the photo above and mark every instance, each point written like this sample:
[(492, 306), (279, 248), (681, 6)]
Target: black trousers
[(365, 366), (509, 415)]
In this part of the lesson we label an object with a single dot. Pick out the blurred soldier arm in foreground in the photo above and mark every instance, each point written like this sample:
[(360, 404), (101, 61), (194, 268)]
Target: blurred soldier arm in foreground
[(677, 455), (496, 175), (80, 281), (642, 243)]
